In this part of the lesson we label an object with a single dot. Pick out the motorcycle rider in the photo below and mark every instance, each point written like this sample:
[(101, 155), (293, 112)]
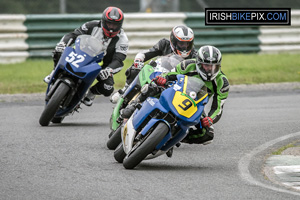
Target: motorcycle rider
[(109, 31), (181, 42), (206, 66)]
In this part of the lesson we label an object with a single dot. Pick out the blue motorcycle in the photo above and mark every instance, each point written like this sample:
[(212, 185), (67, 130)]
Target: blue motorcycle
[(162, 64), (75, 72), (158, 125)]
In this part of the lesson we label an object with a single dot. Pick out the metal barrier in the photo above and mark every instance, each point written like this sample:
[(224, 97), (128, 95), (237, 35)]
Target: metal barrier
[(278, 39), (36, 35), (13, 47), (142, 29)]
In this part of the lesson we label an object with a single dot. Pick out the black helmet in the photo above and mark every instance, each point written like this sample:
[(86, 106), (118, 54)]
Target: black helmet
[(112, 20), (208, 62), (182, 40)]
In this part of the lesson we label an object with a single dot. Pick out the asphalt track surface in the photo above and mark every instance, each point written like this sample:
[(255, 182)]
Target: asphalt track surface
[(71, 161)]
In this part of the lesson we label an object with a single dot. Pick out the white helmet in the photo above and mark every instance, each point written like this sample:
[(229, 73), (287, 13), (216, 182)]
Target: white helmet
[(182, 40), (208, 62)]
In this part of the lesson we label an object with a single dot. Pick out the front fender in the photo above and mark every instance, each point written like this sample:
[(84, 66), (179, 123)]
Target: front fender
[(115, 115), (151, 124), (128, 134), (67, 81)]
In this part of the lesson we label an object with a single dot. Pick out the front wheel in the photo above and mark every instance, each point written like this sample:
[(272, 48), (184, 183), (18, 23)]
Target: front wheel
[(57, 120), (134, 158), (115, 139), (53, 104)]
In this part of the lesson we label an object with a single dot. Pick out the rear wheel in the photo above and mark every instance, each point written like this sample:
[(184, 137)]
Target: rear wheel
[(115, 139), (119, 153), (140, 153), (53, 104)]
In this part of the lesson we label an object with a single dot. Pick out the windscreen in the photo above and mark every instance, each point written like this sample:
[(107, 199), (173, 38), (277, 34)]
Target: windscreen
[(167, 63), (195, 88), (90, 45)]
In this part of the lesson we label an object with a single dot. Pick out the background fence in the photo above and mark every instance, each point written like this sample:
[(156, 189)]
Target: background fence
[(23, 36)]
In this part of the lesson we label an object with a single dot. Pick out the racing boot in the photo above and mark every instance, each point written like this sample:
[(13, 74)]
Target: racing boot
[(204, 136), (170, 152), (88, 99), (116, 96), (48, 78), (209, 136), (128, 111)]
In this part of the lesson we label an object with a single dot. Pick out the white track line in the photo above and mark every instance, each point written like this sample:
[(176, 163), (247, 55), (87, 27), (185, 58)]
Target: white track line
[(244, 163)]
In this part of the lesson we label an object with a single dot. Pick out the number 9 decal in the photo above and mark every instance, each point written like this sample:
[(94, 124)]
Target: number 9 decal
[(183, 105), (186, 104)]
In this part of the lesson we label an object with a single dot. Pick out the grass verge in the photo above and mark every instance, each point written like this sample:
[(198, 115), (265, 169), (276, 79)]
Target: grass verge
[(280, 150), (27, 77)]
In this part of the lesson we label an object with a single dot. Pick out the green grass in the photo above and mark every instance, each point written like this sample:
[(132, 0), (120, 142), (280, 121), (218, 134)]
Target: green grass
[(280, 150), (261, 68), (27, 77)]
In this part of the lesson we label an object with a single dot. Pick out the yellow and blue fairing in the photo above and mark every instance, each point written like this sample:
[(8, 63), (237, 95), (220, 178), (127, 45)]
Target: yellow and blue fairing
[(185, 99)]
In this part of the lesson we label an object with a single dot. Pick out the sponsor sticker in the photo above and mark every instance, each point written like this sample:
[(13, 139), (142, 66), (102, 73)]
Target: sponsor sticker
[(124, 47)]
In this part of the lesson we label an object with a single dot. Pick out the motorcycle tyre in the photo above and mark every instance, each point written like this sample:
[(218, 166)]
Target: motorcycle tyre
[(119, 154), (115, 139), (53, 104), (147, 147), (57, 120), (110, 123)]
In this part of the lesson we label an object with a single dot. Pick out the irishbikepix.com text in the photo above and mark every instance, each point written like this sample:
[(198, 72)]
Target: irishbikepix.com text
[(238, 16)]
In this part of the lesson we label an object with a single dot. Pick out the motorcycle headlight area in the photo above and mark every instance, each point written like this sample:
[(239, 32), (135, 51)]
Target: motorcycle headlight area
[(193, 95)]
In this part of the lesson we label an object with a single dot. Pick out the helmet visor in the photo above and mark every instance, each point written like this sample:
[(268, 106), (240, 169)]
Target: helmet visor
[(184, 45), (210, 69), (112, 26)]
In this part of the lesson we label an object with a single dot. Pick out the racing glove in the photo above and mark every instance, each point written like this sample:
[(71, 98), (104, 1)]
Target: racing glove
[(105, 73), (138, 64), (160, 81), (60, 47), (206, 122)]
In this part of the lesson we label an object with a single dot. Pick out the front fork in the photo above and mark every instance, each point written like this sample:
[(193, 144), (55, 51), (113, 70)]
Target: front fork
[(68, 82)]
